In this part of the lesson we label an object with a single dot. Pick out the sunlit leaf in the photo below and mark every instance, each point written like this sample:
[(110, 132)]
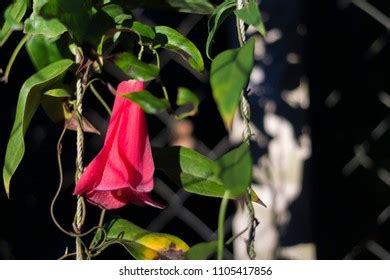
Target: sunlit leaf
[(193, 172), (36, 24), (113, 10), (145, 32), (50, 28), (250, 14), (135, 68), (217, 18), (148, 102), (189, 102), (58, 92), (145, 245), (230, 72), (189, 170), (116, 12), (172, 40), (28, 102)]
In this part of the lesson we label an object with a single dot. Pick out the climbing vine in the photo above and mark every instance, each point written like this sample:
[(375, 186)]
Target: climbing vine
[(75, 44)]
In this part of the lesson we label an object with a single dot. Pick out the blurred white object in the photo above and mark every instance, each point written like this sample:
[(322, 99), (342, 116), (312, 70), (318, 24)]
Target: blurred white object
[(279, 173)]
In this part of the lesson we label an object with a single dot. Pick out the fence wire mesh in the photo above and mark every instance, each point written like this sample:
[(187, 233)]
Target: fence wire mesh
[(368, 159)]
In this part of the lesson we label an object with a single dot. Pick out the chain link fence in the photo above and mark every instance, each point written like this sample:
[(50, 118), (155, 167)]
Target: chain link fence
[(369, 159)]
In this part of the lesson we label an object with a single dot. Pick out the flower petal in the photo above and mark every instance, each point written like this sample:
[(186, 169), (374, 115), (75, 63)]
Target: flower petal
[(123, 170)]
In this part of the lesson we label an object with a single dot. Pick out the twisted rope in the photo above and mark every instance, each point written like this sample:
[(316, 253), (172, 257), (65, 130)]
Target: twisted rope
[(80, 134), (241, 24), (80, 208), (246, 136), (245, 111)]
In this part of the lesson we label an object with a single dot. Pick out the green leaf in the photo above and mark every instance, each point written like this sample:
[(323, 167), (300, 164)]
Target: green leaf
[(193, 172), (217, 18), (189, 170), (53, 103), (50, 28), (74, 14), (113, 10), (42, 51), (12, 19), (202, 251), (58, 93), (172, 40), (119, 16), (230, 72), (250, 14), (147, 101), (185, 6), (35, 24), (28, 102), (236, 169), (189, 101), (38, 4), (145, 245), (13, 15), (144, 32), (135, 68)]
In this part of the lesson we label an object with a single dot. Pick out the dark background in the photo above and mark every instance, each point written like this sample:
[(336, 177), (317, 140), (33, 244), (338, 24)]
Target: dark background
[(345, 205)]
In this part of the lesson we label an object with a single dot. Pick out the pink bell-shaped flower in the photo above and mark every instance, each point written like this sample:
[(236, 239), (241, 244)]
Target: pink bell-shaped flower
[(123, 170)]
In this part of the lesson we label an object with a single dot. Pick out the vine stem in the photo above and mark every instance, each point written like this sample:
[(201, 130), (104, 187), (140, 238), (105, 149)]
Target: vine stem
[(246, 136), (101, 219), (164, 89), (221, 225), (14, 54), (100, 99)]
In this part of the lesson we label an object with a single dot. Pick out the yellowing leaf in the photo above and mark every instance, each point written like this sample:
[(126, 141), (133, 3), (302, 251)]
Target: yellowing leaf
[(145, 245)]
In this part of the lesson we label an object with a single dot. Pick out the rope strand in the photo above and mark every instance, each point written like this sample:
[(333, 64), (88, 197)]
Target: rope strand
[(246, 136), (80, 208)]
